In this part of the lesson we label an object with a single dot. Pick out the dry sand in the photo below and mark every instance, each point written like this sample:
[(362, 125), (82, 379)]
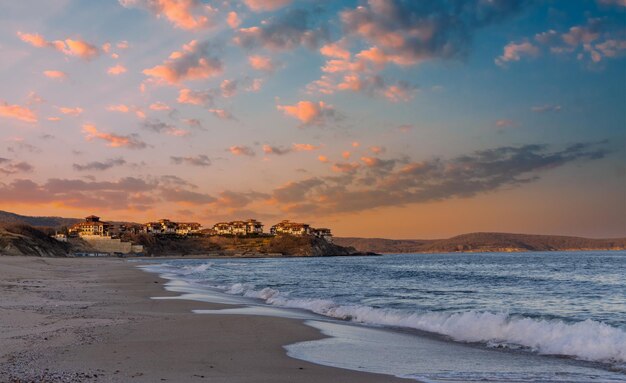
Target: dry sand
[(91, 320)]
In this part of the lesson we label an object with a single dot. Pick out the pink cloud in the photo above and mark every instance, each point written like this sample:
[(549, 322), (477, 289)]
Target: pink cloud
[(308, 112), (323, 159), (188, 96), (233, 20), (116, 70), (515, 51), (55, 74), (345, 167), (181, 13), (75, 112), (336, 50), (121, 108), (262, 63), (305, 147), (240, 150), (17, 112), (193, 62), (266, 5), (113, 140), (69, 47), (222, 114), (159, 106)]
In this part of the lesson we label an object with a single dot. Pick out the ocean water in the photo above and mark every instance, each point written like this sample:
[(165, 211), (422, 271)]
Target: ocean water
[(548, 317)]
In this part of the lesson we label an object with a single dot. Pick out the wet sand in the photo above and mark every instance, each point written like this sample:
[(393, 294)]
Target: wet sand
[(92, 320)]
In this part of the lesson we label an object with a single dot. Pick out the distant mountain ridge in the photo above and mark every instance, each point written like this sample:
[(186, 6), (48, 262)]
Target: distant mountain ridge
[(483, 242), (16, 219)]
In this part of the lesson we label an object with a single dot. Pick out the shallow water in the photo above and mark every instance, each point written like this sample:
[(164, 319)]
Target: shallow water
[(528, 305)]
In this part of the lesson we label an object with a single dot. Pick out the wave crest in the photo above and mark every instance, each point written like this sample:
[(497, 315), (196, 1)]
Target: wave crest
[(588, 340)]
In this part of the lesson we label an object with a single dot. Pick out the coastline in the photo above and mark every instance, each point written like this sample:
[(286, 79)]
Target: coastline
[(76, 320)]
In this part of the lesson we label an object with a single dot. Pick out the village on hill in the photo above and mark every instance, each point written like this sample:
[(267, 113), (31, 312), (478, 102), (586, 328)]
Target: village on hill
[(107, 237)]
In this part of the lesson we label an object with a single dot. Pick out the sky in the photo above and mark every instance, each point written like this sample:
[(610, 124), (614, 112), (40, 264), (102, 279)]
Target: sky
[(376, 118)]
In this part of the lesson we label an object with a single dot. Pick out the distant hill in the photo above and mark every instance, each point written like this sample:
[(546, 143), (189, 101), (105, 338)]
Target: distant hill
[(483, 242), (16, 219)]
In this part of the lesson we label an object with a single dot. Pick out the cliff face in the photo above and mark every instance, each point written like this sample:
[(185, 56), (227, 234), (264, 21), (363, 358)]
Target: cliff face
[(261, 246), (26, 240)]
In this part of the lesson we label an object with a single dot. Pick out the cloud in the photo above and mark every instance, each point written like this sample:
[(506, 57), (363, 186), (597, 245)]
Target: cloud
[(515, 51), (122, 108), (100, 165), (199, 160), (305, 147), (336, 50), (186, 197), (188, 96), (68, 47), (345, 167), (278, 150), (222, 114), (159, 106), (409, 32), (113, 140), (159, 126), (505, 123), (596, 40), (229, 88), (546, 108), (124, 194), (348, 78), (291, 30), (262, 63), (323, 159), (394, 182), (116, 70), (266, 5), (241, 150), (55, 74), (181, 13), (17, 112), (9, 167), (233, 20), (195, 61), (310, 113), (74, 112)]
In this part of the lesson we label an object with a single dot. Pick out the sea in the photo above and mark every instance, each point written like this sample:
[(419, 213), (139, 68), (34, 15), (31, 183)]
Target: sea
[(476, 317)]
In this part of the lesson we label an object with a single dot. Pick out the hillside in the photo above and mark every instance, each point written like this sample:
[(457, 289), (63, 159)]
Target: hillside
[(54, 222), (239, 246), (483, 242), (27, 240)]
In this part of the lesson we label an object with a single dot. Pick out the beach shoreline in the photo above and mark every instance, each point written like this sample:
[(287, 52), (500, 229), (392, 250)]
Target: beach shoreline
[(77, 320)]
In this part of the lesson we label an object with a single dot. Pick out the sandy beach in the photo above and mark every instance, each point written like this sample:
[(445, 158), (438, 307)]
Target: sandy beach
[(77, 320)]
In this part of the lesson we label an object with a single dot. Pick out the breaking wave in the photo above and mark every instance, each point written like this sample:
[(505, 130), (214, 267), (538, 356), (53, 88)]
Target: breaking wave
[(587, 340)]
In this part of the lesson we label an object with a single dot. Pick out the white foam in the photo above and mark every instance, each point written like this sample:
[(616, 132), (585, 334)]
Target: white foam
[(588, 340)]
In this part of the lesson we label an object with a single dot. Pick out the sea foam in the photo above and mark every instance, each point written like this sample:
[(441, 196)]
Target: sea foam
[(587, 340)]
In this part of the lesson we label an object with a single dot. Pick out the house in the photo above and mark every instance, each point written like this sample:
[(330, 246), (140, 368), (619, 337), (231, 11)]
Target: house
[(187, 228), (323, 233), (222, 228), (300, 229), (162, 226), (92, 226), (254, 227), (241, 228), (292, 228)]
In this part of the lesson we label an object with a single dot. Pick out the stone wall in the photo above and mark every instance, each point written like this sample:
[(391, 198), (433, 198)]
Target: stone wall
[(108, 244)]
